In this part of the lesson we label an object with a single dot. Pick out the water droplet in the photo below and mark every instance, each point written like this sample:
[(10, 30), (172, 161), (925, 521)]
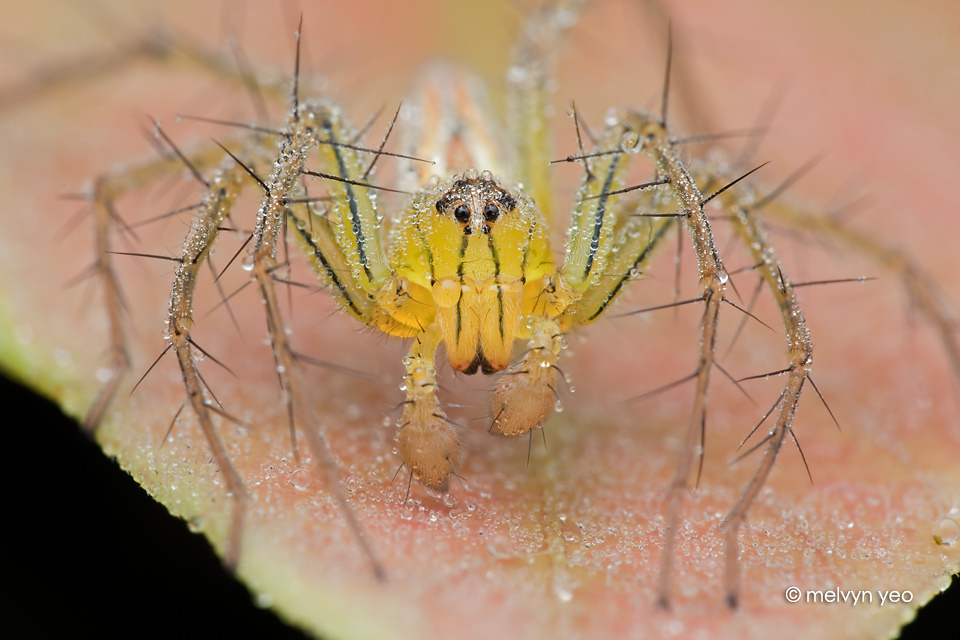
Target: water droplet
[(562, 590), (946, 532), (630, 142), (516, 75), (565, 18), (300, 479), (500, 545), (247, 263), (449, 500), (558, 406)]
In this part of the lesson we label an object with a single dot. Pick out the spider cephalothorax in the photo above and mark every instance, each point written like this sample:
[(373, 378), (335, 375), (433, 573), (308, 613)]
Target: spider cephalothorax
[(476, 261), (476, 203)]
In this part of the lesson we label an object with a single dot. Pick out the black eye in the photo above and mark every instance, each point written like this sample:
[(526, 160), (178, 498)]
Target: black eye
[(462, 213), (491, 212)]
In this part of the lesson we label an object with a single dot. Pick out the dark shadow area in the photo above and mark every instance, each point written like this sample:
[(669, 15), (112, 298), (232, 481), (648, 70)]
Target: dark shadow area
[(86, 552)]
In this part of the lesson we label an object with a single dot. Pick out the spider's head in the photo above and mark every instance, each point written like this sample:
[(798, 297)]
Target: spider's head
[(476, 201)]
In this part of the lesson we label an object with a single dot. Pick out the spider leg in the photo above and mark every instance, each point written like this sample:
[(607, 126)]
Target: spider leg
[(654, 141), (746, 211), (605, 249), (107, 189), (747, 225), (345, 247), (426, 439), (529, 97), (221, 192), (315, 130), (920, 287), (590, 256)]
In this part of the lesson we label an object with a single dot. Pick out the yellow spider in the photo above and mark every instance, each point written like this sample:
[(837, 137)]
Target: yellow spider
[(468, 263)]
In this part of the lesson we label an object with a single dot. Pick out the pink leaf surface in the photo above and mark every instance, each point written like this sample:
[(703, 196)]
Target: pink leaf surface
[(566, 545)]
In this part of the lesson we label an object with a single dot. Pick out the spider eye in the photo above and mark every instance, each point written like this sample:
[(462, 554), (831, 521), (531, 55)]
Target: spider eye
[(462, 213), (491, 212)]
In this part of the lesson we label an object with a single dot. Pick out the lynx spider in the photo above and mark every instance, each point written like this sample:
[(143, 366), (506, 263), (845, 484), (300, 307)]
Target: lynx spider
[(473, 244)]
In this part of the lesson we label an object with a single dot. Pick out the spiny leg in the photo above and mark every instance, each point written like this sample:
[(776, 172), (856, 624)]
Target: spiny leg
[(800, 354), (592, 238), (153, 45), (738, 202), (589, 251), (426, 439), (107, 223), (920, 287), (528, 94), (746, 211), (222, 191), (744, 207), (656, 142), (605, 249), (109, 187), (104, 221), (303, 135)]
